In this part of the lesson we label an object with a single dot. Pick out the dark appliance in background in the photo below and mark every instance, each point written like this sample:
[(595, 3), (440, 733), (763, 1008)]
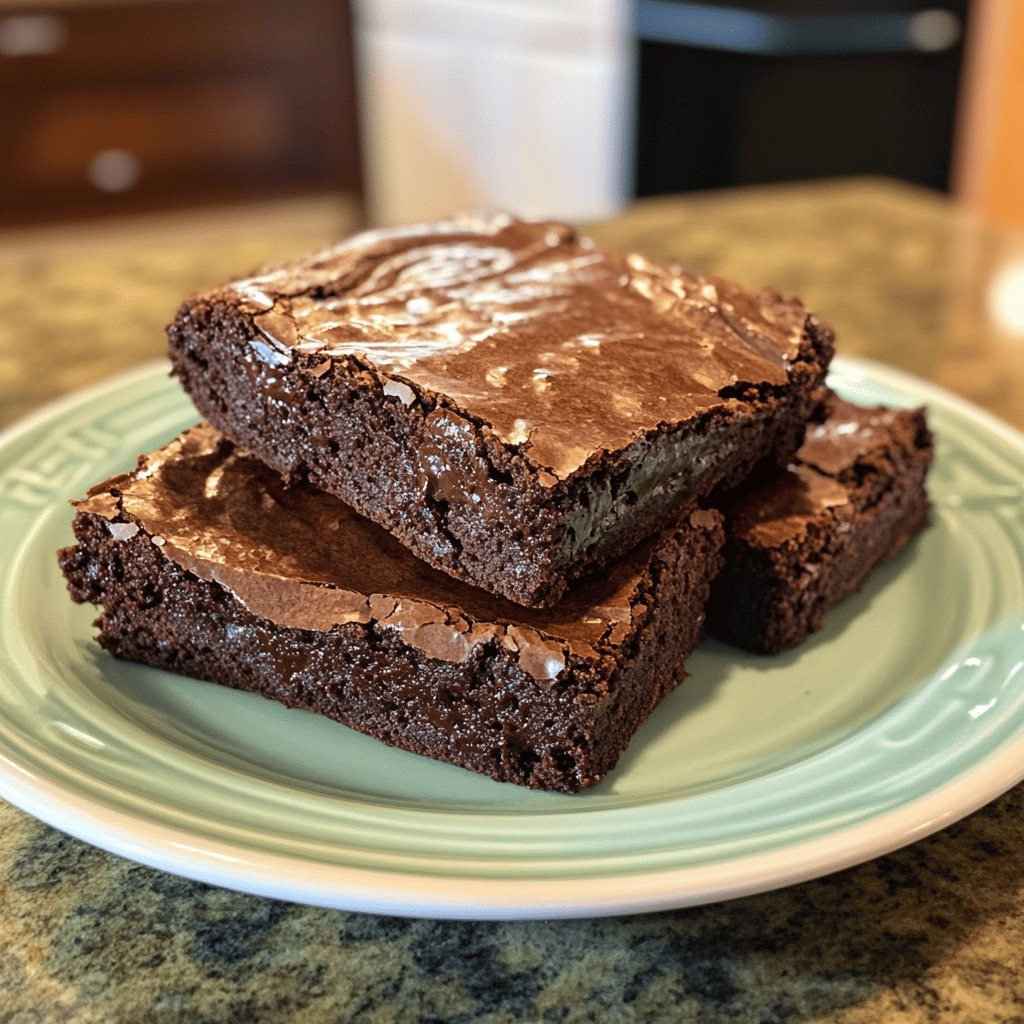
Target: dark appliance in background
[(752, 93)]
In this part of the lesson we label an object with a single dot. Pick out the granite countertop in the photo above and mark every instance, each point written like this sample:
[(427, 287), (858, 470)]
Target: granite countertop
[(934, 932)]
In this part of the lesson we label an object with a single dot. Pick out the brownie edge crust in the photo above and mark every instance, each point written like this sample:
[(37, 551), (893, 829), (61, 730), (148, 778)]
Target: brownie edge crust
[(215, 591), (517, 406)]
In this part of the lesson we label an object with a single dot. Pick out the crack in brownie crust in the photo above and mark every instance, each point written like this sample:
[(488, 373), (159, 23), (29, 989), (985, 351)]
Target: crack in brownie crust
[(513, 404)]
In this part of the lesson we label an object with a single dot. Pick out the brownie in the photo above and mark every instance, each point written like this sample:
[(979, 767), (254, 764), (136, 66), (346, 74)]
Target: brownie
[(209, 564), (515, 404), (800, 540)]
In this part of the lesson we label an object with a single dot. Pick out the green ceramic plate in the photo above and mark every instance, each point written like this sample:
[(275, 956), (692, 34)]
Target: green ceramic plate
[(904, 714)]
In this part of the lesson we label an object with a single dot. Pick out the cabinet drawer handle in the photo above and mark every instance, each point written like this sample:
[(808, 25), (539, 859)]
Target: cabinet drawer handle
[(31, 35), (114, 170)]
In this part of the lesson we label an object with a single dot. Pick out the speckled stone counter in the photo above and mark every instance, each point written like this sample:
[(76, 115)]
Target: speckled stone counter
[(934, 932)]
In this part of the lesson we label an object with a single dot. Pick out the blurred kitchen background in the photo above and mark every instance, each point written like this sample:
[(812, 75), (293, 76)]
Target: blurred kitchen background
[(408, 109)]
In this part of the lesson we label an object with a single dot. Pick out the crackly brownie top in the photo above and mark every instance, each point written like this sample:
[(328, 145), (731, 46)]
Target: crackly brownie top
[(559, 347), (851, 431), (819, 478), (303, 559)]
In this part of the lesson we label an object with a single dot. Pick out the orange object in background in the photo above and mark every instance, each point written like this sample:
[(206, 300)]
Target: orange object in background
[(988, 169)]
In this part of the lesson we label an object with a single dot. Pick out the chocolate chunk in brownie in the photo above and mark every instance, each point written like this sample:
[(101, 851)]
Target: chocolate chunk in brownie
[(800, 540), (516, 405), (208, 564)]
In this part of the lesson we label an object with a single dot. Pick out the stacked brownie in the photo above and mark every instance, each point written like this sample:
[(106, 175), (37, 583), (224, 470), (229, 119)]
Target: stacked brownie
[(516, 406), (450, 487)]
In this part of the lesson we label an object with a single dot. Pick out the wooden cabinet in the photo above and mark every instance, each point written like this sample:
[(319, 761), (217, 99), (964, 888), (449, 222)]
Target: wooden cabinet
[(130, 106)]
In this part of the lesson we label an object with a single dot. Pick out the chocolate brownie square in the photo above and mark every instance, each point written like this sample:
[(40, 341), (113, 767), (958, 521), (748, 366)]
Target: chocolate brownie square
[(515, 404), (802, 539), (208, 564)]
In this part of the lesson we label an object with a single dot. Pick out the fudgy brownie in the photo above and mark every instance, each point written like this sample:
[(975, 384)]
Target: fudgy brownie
[(802, 539), (514, 404), (207, 563)]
